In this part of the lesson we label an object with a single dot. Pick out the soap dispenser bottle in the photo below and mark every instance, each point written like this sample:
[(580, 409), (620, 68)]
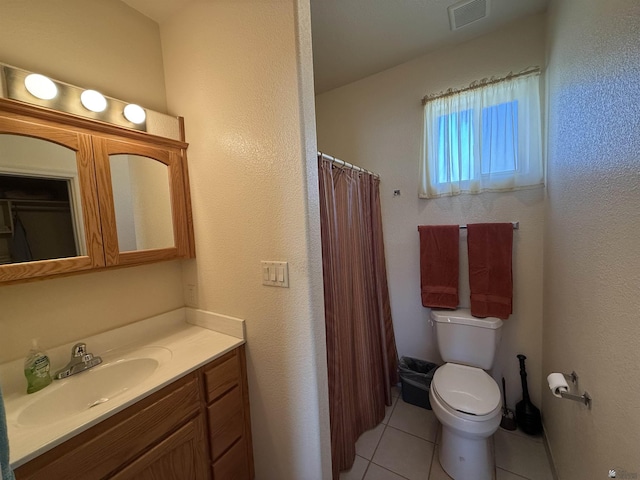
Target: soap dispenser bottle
[(36, 369)]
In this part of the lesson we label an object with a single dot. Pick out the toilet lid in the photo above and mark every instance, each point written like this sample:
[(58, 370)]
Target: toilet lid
[(466, 389)]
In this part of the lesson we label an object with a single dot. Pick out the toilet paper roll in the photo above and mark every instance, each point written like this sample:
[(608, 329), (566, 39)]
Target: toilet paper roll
[(557, 384)]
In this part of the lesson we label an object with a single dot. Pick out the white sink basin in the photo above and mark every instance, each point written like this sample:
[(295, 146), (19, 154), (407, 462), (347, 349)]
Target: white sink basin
[(80, 392)]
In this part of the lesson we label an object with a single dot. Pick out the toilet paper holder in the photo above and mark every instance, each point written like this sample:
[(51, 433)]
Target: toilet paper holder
[(573, 393)]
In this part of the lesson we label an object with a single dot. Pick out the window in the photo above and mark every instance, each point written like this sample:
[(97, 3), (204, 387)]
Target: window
[(485, 138)]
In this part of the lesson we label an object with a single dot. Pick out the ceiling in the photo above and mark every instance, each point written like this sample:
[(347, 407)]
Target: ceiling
[(353, 39), (158, 10)]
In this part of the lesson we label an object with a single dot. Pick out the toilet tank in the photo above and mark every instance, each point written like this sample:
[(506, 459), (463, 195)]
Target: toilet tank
[(465, 339)]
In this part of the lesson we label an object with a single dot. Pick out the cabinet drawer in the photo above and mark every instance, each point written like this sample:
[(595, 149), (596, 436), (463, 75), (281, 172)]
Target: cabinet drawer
[(226, 421), (102, 449), (222, 375), (233, 465)]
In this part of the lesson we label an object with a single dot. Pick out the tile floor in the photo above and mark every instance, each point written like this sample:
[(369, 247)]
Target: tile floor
[(404, 447)]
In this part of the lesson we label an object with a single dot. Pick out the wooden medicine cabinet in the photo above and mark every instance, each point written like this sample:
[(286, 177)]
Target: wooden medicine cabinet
[(79, 195)]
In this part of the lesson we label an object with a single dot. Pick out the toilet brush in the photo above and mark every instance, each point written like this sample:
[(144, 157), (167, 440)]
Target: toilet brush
[(508, 421), (527, 414)]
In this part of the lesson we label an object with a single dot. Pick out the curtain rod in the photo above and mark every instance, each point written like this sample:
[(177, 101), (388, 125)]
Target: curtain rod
[(480, 83), (347, 164)]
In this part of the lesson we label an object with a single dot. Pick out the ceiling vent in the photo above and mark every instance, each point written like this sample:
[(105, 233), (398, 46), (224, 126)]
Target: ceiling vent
[(466, 12)]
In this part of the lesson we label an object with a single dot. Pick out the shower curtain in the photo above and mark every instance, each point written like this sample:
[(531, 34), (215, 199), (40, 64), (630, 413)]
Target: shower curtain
[(361, 350)]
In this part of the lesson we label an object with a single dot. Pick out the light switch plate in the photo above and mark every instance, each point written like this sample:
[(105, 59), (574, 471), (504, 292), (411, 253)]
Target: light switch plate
[(191, 295), (275, 274)]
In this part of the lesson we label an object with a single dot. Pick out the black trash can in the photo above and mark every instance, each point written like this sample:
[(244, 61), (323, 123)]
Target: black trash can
[(416, 376)]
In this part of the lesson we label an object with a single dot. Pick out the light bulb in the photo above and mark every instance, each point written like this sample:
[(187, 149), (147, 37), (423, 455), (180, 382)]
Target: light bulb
[(40, 86), (135, 113), (93, 101)]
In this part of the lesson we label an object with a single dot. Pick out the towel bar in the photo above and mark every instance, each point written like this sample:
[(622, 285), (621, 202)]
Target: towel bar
[(516, 226)]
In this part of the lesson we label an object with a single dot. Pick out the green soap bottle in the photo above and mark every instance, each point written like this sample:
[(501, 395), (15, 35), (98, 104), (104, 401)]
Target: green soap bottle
[(36, 369)]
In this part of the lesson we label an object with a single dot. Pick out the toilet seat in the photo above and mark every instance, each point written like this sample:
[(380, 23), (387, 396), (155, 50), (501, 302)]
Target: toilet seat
[(469, 391)]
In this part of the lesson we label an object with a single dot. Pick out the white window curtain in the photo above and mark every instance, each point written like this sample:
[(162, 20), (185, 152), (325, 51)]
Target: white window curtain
[(483, 139)]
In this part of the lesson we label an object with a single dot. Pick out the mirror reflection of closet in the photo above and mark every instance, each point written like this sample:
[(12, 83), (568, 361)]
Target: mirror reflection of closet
[(40, 207), (142, 202)]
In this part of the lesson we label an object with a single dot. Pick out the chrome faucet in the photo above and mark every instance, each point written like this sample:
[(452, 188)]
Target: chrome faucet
[(80, 361)]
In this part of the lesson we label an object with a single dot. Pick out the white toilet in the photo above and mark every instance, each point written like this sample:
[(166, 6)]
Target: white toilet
[(464, 398)]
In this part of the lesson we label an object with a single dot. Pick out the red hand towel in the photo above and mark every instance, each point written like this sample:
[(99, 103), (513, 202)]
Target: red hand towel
[(490, 275), (439, 247)]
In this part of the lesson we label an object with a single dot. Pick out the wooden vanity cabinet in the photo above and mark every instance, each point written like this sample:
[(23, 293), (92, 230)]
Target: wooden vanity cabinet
[(182, 432), (177, 457), (227, 399)]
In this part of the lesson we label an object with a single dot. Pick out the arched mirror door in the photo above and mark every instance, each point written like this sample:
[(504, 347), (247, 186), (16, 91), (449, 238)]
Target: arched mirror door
[(142, 202), (48, 202)]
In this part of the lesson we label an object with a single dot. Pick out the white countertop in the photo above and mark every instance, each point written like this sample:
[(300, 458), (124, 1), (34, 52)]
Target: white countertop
[(182, 341)]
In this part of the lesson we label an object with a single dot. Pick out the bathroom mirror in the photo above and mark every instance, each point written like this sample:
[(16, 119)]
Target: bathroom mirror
[(40, 206), (142, 202), (142, 194), (49, 200)]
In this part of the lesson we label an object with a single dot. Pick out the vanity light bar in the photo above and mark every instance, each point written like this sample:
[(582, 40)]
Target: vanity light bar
[(134, 113), (40, 86), (39, 90), (93, 101)]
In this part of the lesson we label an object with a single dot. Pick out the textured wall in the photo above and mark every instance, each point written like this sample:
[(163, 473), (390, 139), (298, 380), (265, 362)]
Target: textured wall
[(109, 46), (105, 45), (377, 123), (592, 254), (240, 73), (62, 310)]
